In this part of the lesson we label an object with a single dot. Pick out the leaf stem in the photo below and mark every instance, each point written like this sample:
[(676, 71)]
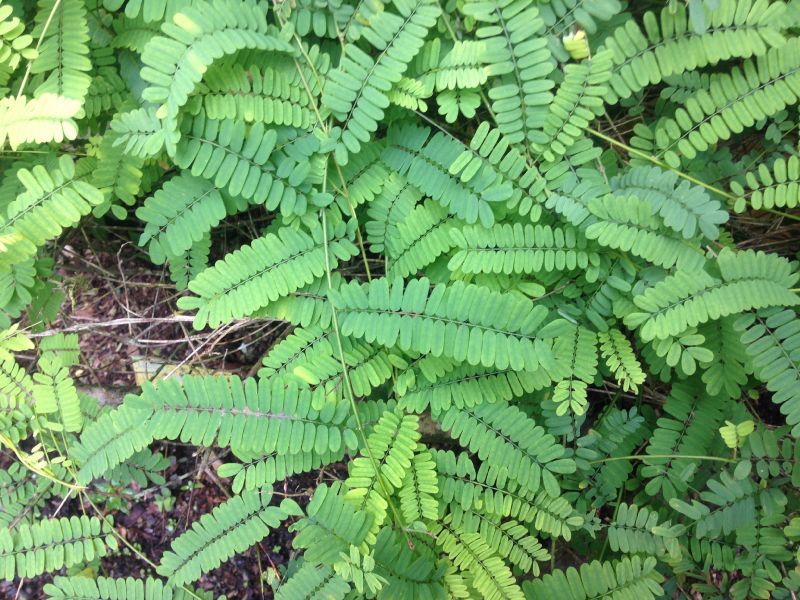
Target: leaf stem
[(46, 26), (679, 173), (669, 456), (6, 441), (349, 388)]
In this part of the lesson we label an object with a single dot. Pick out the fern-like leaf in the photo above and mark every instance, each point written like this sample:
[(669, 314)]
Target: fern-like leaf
[(356, 91), (667, 45), (420, 487), (63, 59), (463, 322), (771, 339), (685, 209), (627, 578), (52, 200), (48, 118), (269, 268), (110, 440), (200, 33), (748, 280), (55, 393), (50, 544), (330, 527), (179, 215), (504, 437), (312, 581), (230, 528)]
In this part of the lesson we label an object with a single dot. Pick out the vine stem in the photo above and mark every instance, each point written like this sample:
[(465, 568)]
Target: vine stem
[(46, 26), (679, 173), (6, 441), (670, 456), (326, 129), (348, 386)]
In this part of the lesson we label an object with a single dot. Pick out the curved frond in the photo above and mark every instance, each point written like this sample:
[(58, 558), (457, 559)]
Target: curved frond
[(490, 490), (620, 359), (418, 492), (629, 224), (466, 386), (686, 209), (730, 103), (270, 94), (428, 162), (470, 553), (419, 239), (771, 339), (748, 280), (197, 35), (688, 427), (52, 200), (577, 102), (390, 449), (179, 215), (502, 436), (110, 440), (55, 394), (330, 527)]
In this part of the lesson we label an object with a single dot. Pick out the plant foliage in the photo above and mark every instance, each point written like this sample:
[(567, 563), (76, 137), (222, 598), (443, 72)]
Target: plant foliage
[(525, 335)]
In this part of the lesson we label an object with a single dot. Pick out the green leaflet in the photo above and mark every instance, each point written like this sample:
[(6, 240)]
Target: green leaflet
[(748, 280), (30, 550), (178, 215), (198, 34), (280, 418), (507, 249), (62, 66), (231, 527), (770, 339), (504, 438), (481, 252), (52, 200), (356, 91), (448, 321), (615, 580), (269, 268), (664, 47), (46, 118), (107, 588)]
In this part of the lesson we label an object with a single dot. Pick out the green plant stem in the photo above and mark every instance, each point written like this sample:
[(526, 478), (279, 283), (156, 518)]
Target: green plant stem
[(5, 441), (325, 128), (613, 519), (669, 456), (679, 173), (46, 26), (349, 387)]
